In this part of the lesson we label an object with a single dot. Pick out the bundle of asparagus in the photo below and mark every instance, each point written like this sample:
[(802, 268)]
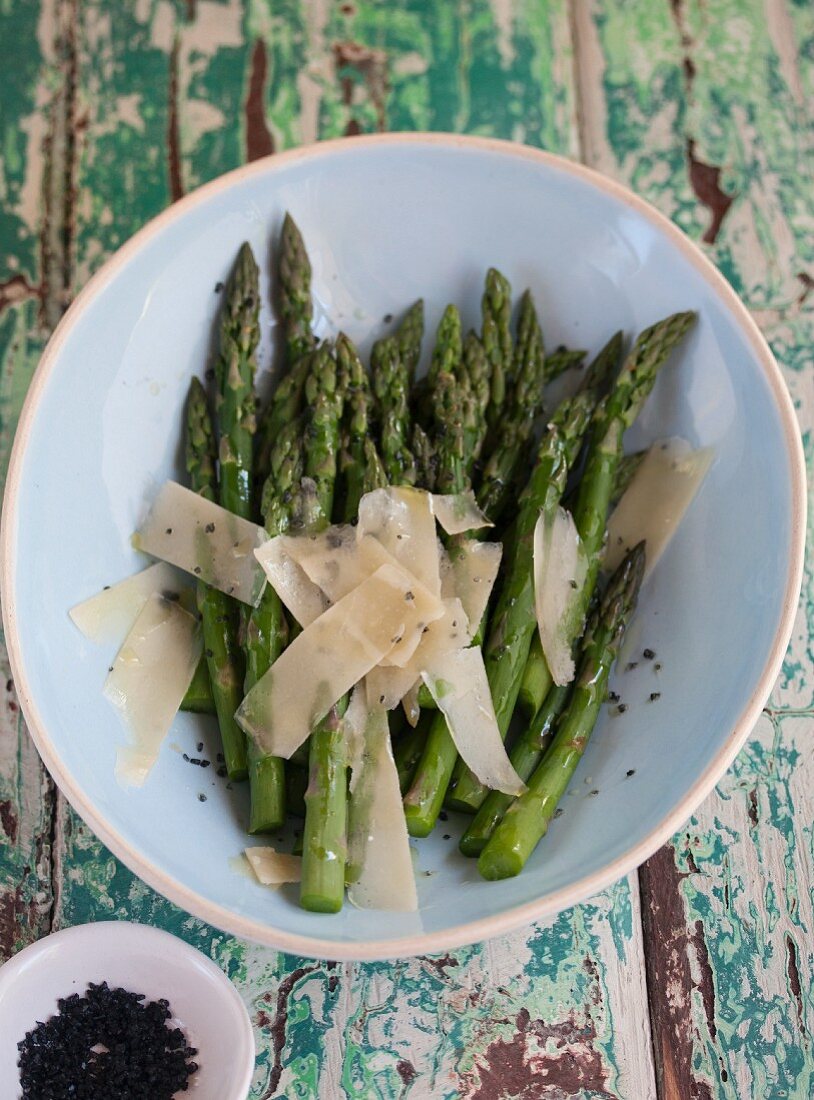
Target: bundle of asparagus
[(331, 432)]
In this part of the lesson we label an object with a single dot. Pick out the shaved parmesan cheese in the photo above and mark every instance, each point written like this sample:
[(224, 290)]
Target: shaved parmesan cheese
[(330, 656), (469, 572), (107, 616), (458, 684), (204, 539), (272, 868), (289, 580), (388, 686), (457, 512), (337, 561), (660, 493), (148, 680), (403, 522), (380, 867), (560, 568)]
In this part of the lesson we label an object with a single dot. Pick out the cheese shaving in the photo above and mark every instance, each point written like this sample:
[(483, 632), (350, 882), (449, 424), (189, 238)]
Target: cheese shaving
[(107, 616), (458, 684), (458, 512), (330, 656), (469, 571), (289, 580), (560, 568), (273, 868), (380, 867), (656, 500), (402, 520), (148, 680), (205, 540)]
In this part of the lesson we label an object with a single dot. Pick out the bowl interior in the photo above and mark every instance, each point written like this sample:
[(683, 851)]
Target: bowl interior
[(144, 960), (386, 223)]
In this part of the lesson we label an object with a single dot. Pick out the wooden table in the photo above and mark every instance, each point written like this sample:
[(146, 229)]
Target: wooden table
[(694, 977)]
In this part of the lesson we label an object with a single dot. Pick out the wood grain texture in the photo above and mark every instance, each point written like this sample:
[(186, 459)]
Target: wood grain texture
[(34, 258), (703, 108)]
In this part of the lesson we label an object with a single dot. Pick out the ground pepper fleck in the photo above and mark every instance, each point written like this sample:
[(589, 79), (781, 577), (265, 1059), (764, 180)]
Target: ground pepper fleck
[(108, 1043)]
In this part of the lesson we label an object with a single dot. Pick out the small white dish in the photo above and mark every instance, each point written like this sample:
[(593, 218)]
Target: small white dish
[(204, 1003)]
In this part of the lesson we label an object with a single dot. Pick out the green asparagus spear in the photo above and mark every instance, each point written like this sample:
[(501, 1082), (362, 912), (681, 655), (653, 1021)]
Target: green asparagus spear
[(526, 821), (522, 406), (199, 698), (408, 337), (324, 838), (324, 855), (355, 425), (235, 370), (561, 360), (373, 476), (390, 379), (632, 388), (286, 405), (267, 629), (296, 305), (496, 338), (218, 613), (408, 749), (446, 359), (325, 402), (426, 459), (477, 378)]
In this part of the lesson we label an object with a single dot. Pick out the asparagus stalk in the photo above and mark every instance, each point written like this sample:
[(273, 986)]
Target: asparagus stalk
[(199, 698), (234, 373), (496, 338), (296, 310), (632, 388), (355, 425), (408, 749), (526, 821), (426, 459), (446, 358), (218, 613), (390, 377), (322, 889), (409, 335), (324, 853), (267, 630), (296, 305)]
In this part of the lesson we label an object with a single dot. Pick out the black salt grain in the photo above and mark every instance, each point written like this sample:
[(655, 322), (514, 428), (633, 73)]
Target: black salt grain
[(108, 1043)]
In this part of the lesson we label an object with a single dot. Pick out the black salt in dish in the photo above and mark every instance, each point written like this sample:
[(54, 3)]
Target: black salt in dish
[(108, 1043)]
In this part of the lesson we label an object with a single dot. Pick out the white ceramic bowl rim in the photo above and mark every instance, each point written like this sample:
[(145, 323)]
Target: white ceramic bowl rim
[(555, 902)]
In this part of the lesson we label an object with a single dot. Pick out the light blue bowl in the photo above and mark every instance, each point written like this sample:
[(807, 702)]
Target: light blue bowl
[(389, 219)]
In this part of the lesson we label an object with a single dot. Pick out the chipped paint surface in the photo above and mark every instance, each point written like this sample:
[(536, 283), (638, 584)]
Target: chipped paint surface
[(110, 111)]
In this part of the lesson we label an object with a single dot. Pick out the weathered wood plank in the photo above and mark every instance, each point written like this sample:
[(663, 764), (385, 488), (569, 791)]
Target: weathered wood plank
[(35, 178), (171, 96), (702, 108)]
